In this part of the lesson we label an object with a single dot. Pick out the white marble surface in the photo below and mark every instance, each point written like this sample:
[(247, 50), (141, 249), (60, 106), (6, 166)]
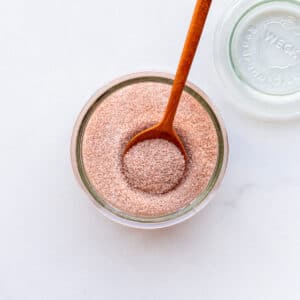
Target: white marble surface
[(54, 244)]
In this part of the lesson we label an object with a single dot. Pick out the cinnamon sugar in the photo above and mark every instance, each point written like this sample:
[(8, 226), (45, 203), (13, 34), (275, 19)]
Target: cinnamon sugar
[(154, 166), (118, 118)]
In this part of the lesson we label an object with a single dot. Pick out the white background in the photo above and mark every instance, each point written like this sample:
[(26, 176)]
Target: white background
[(54, 244)]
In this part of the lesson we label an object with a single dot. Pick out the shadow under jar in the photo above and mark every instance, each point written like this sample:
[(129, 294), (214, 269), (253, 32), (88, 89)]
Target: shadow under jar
[(113, 116)]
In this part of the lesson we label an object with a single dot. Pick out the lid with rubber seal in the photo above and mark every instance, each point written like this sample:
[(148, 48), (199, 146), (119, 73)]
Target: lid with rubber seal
[(257, 54)]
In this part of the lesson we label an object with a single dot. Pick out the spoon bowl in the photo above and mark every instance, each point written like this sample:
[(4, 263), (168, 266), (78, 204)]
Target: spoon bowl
[(158, 131)]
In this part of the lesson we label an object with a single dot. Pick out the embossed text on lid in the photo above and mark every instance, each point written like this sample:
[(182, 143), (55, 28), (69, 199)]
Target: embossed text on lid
[(265, 48), (257, 56)]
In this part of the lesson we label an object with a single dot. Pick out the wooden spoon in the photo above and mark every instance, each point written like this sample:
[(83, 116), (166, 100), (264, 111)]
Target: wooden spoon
[(164, 129)]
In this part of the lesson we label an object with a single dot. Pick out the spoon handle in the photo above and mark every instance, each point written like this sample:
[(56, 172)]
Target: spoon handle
[(186, 60)]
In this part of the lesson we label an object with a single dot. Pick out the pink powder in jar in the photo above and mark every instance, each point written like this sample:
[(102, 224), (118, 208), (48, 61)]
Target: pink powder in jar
[(133, 184)]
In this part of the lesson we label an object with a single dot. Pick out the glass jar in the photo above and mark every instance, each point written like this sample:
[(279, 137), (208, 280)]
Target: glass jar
[(148, 222)]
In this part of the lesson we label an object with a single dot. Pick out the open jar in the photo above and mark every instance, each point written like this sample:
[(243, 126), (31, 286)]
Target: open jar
[(112, 116)]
